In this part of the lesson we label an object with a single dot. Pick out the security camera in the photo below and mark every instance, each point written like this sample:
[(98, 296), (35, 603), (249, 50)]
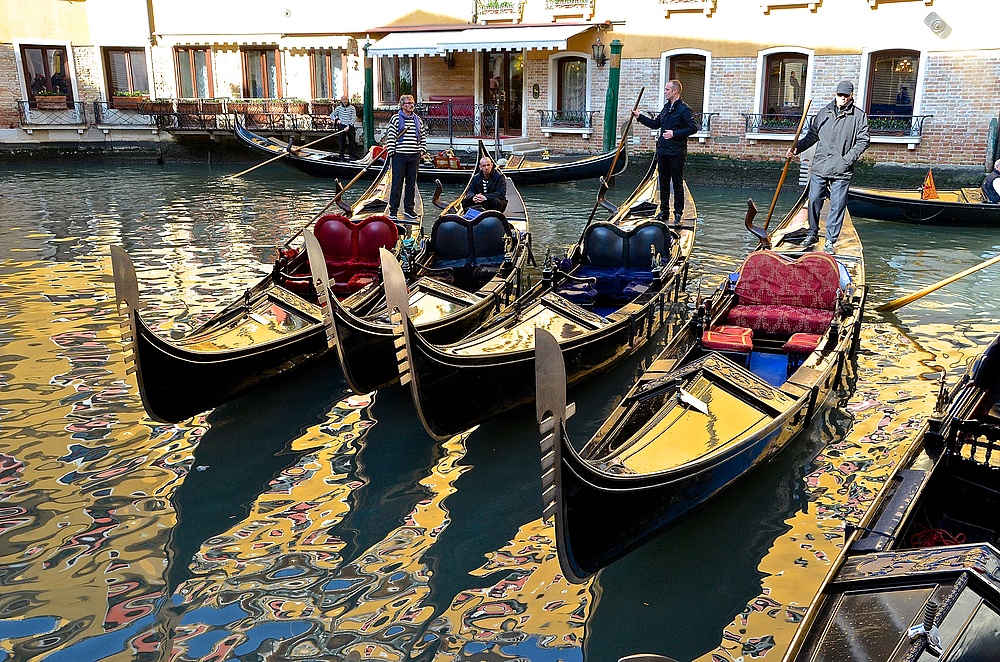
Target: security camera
[(937, 25)]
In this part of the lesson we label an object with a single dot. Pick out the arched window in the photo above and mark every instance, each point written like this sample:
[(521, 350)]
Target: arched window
[(571, 84), (783, 78), (892, 82), (692, 71)]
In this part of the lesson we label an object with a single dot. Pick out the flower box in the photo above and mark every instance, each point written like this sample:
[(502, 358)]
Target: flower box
[(51, 102), (127, 103)]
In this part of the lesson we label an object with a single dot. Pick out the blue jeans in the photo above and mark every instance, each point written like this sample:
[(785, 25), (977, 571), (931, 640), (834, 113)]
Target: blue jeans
[(836, 189)]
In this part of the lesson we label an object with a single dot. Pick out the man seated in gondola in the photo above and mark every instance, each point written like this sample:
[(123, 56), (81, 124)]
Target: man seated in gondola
[(991, 186), (488, 189)]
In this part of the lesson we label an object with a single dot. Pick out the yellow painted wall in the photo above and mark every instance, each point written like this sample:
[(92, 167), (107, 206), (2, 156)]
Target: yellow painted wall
[(44, 21), (741, 28)]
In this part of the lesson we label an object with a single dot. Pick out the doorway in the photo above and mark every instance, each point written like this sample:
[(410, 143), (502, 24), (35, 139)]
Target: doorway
[(503, 90)]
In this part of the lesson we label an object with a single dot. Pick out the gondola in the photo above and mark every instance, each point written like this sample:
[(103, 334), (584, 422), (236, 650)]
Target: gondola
[(958, 207), (275, 326), (731, 387), (605, 299), (920, 576), (468, 271), (521, 171)]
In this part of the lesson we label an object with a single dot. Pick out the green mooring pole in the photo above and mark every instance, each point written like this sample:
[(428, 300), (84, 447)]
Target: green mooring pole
[(611, 100), (369, 118)]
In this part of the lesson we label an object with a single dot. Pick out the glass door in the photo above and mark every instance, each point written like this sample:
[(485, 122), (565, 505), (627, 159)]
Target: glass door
[(503, 91)]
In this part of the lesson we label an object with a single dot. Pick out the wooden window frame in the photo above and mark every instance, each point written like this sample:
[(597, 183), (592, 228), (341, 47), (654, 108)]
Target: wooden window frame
[(328, 55), (29, 79), (559, 79), (766, 76), (106, 57), (396, 81), (262, 53), (189, 51)]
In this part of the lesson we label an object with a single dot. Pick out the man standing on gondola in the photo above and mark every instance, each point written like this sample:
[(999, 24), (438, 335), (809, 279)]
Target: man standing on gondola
[(405, 142), (674, 123), (345, 118), (840, 132)]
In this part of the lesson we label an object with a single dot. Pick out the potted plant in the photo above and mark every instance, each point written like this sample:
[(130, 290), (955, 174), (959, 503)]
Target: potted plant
[(46, 100), (128, 100)]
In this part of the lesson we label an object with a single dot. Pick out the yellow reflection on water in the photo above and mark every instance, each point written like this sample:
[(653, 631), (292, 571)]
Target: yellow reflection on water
[(895, 392)]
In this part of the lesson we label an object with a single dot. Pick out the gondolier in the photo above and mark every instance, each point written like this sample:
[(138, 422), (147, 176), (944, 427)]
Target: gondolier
[(345, 117), (405, 142), (991, 186), (840, 132)]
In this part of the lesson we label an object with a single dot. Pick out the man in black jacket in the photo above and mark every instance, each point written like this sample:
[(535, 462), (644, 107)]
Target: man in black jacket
[(840, 132), (991, 185), (488, 189), (675, 123)]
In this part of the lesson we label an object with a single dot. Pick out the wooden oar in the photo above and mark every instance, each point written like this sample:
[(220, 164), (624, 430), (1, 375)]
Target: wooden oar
[(910, 298), (288, 151), (611, 171), (788, 160), (331, 203)]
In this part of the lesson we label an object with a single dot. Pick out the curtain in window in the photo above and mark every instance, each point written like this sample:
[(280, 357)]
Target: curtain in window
[(572, 84)]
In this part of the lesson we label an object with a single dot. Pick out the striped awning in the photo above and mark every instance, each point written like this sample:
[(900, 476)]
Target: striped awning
[(505, 38)]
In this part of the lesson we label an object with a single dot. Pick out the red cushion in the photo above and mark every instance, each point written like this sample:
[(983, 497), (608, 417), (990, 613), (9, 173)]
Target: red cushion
[(802, 343), (734, 330), (335, 234), (781, 319), (375, 232), (726, 342), (811, 281)]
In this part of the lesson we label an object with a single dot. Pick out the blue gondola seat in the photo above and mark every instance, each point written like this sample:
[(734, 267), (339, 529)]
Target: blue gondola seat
[(620, 261), (472, 250)]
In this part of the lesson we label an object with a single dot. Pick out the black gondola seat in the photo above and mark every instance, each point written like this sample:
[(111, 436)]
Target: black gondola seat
[(472, 249), (620, 260), (351, 248), (780, 297)]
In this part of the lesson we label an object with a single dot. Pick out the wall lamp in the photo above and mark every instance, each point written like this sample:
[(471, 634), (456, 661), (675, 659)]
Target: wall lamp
[(599, 57)]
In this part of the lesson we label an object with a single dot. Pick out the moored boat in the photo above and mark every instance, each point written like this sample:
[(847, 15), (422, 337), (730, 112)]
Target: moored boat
[(957, 207), (468, 270), (605, 300), (730, 389), (275, 326), (520, 170), (919, 578)]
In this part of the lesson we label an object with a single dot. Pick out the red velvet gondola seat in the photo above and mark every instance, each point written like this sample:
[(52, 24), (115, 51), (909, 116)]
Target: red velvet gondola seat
[(351, 248), (778, 296)]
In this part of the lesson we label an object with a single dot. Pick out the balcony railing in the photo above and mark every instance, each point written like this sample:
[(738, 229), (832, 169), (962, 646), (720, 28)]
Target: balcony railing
[(75, 113), (897, 125), (774, 122), (911, 126), (704, 121), (105, 113), (567, 119)]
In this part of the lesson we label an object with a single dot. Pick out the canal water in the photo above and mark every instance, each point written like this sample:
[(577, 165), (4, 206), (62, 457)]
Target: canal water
[(303, 522)]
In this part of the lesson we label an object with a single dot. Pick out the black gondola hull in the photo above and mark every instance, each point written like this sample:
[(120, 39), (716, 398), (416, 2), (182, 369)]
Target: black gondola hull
[(454, 393), (327, 166), (869, 204)]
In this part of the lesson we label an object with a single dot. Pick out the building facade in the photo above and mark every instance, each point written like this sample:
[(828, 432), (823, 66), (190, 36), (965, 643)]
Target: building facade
[(528, 71)]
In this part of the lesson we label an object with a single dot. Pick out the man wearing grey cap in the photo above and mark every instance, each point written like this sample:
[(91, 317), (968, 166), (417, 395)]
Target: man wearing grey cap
[(840, 132)]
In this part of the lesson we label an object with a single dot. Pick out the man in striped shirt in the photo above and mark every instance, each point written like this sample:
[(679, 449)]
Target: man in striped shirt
[(345, 117), (405, 142)]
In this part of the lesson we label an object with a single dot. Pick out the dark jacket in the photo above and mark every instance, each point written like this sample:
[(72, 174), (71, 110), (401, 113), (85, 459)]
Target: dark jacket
[(677, 118), (840, 136), (989, 191), (494, 188)]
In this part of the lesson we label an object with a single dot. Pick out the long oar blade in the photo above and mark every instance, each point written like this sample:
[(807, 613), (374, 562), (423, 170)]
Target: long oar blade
[(910, 298)]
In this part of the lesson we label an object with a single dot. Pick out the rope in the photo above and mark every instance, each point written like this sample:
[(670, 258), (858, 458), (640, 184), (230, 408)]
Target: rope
[(936, 538)]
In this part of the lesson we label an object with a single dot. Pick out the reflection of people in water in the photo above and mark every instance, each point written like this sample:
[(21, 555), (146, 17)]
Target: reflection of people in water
[(903, 98)]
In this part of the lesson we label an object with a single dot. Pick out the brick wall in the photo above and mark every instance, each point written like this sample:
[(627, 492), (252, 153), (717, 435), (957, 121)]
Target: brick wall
[(10, 88)]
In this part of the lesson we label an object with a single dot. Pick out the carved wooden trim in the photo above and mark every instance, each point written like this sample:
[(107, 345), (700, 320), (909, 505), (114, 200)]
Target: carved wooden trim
[(874, 3), (768, 5), (705, 6)]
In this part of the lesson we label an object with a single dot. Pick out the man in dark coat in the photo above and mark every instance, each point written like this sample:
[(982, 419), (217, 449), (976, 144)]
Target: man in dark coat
[(488, 189), (840, 132), (674, 123), (991, 185)]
